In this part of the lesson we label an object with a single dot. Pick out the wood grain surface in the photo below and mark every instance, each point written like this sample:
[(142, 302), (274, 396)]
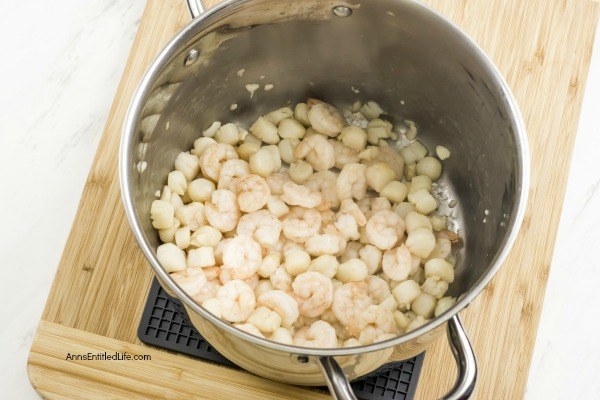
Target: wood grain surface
[(543, 48)]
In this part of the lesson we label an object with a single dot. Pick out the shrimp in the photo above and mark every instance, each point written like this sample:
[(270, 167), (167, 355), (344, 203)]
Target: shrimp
[(317, 151), (237, 301), (365, 205), (352, 251), (380, 203), (276, 181), (349, 302), (299, 195), (222, 211), (327, 218), (219, 249), (343, 154), (212, 159), (253, 193), (351, 208), (325, 182), (290, 247), (190, 280), (397, 263), (393, 159), (281, 280), (352, 182), (228, 275), (314, 292), (303, 321), (320, 334), (211, 272), (374, 322), (242, 257), (262, 226), (349, 218), (384, 229), (283, 304), (301, 223), (371, 256), (326, 119), (327, 243), (231, 173), (379, 289), (208, 291), (249, 328)]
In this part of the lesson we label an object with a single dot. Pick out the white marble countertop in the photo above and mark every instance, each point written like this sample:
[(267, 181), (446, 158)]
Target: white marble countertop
[(60, 80)]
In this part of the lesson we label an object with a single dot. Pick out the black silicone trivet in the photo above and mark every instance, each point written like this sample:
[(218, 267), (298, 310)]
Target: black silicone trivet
[(165, 324)]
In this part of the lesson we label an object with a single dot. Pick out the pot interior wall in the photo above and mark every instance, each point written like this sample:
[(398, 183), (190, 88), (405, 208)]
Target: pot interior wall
[(394, 52)]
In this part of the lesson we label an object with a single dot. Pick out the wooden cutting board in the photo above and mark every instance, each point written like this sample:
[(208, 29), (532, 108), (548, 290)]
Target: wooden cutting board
[(542, 47)]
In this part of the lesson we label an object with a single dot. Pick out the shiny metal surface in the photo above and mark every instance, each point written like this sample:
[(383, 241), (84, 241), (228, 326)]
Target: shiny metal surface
[(191, 58), (340, 388), (397, 52), (338, 385), (465, 361), (196, 7)]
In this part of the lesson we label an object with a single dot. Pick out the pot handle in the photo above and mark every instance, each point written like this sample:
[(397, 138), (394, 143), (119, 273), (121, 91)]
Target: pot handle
[(340, 388), (196, 8)]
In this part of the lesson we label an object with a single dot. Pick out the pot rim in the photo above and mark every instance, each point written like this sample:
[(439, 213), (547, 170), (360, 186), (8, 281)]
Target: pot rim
[(125, 163)]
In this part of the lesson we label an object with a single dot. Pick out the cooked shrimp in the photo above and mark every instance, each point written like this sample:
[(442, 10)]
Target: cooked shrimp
[(222, 211), (290, 246), (352, 251), (227, 275), (211, 273), (397, 263), (320, 334), (349, 302), (301, 223), (276, 181), (348, 219), (249, 328), (384, 229), (253, 193), (237, 301), (379, 289), (281, 280), (219, 249), (317, 151), (303, 321), (208, 291), (365, 205), (212, 159), (190, 280), (326, 119), (375, 321), (351, 182), (351, 208), (326, 243), (314, 292), (262, 226), (327, 217), (391, 158), (380, 203), (231, 172), (343, 154), (242, 257), (300, 195), (283, 304), (325, 182), (371, 256)]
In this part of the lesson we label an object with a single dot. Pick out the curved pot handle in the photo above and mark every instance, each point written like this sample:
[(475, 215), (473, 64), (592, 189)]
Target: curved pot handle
[(196, 8), (340, 388)]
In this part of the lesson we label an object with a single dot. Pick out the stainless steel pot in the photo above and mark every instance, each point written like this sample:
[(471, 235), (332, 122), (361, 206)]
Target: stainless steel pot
[(399, 53)]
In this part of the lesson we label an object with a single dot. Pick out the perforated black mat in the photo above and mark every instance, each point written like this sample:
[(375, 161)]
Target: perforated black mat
[(165, 324)]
